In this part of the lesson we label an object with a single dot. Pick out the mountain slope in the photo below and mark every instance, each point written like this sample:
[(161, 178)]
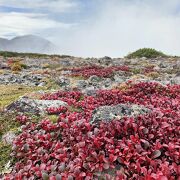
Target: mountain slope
[(27, 43)]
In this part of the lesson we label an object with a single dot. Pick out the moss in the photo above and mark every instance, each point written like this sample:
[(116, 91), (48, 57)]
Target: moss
[(53, 118), (74, 109), (8, 122), (51, 84), (136, 71), (10, 93), (5, 151)]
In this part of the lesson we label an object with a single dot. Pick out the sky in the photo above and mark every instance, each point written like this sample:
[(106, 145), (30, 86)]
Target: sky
[(95, 28)]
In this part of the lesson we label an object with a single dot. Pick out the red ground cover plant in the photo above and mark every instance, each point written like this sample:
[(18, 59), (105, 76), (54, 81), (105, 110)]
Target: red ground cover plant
[(142, 147), (98, 71)]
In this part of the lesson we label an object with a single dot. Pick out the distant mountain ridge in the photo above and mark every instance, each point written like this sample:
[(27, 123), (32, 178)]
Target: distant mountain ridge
[(27, 44)]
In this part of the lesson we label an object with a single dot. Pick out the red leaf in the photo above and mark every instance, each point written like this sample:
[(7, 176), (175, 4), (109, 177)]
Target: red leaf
[(112, 158)]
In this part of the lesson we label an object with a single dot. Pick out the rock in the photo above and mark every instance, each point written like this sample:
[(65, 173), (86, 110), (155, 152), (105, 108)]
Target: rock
[(65, 62), (107, 82), (93, 79), (118, 79), (176, 80), (35, 106), (42, 84), (108, 113), (4, 66), (105, 60), (82, 84), (9, 137), (90, 91), (21, 78), (63, 81), (163, 65)]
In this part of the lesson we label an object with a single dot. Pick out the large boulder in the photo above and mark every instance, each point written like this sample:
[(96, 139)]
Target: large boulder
[(108, 113), (25, 104)]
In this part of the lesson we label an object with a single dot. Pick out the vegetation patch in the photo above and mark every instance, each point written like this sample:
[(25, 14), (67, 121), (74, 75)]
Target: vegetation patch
[(5, 151), (31, 55), (8, 122), (10, 93), (146, 52)]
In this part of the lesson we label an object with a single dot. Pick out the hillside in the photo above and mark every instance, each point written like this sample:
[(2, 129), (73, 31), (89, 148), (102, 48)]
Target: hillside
[(27, 43), (64, 117)]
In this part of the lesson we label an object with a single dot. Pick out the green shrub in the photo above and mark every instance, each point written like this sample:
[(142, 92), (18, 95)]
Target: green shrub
[(136, 71), (24, 66), (146, 52)]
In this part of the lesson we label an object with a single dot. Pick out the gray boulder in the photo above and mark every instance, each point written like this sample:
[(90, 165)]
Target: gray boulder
[(93, 79), (82, 84), (108, 113), (90, 91), (25, 104)]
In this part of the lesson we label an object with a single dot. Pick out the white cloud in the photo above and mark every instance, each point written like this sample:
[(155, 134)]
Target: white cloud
[(123, 26), (27, 23), (47, 5)]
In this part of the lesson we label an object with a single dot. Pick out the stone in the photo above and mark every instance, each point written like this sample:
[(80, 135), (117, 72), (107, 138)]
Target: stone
[(4, 66), (108, 113), (163, 65), (9, 137), (42, 84), (26, 104), (82, 84), (63, 81), (176, 80), (107, 82), (118, 79), (105, 60), (94, 79), (65, 62), (90, 91)]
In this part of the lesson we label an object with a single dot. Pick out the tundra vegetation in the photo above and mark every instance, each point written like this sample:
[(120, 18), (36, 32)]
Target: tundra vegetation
[(64, 117)]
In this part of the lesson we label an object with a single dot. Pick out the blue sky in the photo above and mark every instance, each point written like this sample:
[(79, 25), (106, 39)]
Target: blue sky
[(95, 27)]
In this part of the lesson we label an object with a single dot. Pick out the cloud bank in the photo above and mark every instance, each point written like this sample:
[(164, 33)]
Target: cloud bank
[(100, 27)]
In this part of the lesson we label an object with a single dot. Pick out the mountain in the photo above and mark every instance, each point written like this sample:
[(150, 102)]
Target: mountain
[(27, 43)]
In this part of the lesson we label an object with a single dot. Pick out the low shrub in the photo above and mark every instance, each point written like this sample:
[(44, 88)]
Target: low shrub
[(99, 71), (16, 67), (153, 75), (142, 147), (145, 52)]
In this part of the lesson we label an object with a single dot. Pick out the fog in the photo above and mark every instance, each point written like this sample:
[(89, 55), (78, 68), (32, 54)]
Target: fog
[(119, 28), (115, 28)]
